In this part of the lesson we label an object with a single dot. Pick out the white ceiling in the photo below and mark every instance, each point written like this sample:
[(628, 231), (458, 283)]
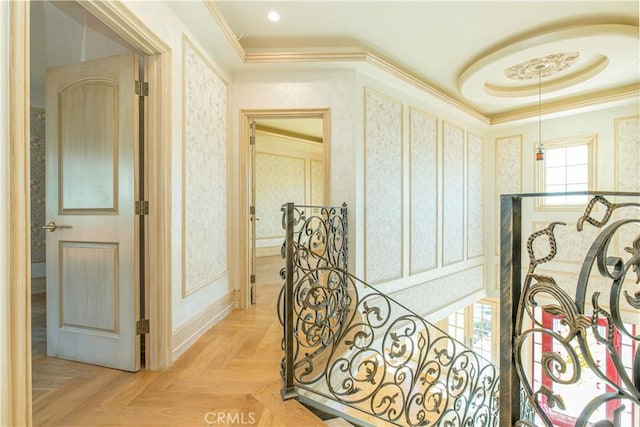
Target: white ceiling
[(459, 49), (455, 50)]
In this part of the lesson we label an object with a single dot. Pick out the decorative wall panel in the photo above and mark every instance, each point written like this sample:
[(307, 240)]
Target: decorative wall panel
[(475, 192), (508, 173), (572, 246), (627, 133), (317, 183), (279, 180), (627, 155), (453, 194), (383, 188), (204, 162), (38, 181), (424, 191)]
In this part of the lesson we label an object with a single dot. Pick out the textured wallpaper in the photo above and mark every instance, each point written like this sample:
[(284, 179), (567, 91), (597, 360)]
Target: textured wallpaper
[(453, 194), (424, 191), (204, 171), (508, 173), (475, 191), (628, 154), (508, 165), (383, 188), (627, 131), (38, 196), (572, 246), (317, 183), (279, 180)]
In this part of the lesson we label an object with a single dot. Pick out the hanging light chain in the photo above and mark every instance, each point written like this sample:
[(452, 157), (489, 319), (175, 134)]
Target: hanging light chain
[(540, 151)]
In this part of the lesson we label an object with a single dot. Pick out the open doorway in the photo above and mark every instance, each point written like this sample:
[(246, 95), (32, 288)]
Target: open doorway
[(66, 37), (288, 162), (158, 61)]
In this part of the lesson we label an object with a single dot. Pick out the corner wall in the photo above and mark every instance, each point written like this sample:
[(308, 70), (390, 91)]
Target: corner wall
[(201, 280), (299, 90), (411, 172), (421, 188), (512, 163)]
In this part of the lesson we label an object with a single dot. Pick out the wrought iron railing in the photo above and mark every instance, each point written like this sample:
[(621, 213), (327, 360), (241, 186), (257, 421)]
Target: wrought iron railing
[(349, 344), (570, 340)]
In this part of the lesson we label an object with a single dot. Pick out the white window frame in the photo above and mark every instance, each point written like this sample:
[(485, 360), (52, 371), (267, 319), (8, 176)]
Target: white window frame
[(590, 141), (468, 326)]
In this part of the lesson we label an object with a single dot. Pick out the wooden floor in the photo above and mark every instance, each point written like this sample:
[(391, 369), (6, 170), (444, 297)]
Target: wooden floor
[(229, 377)]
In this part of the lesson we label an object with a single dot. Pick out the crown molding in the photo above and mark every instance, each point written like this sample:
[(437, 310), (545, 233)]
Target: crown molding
[(261, 58), (422, 84), (217, 15), (589, 100), (367, 55)]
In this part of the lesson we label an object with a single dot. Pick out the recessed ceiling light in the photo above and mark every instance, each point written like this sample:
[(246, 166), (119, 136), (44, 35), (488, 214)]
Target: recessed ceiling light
[(273, 16)]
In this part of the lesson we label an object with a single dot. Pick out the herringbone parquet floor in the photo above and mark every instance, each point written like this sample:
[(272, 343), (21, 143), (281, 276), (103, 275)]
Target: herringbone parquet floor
[(230, 376)]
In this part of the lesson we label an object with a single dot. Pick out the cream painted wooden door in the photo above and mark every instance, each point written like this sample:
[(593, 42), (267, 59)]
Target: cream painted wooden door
[(92, 280)]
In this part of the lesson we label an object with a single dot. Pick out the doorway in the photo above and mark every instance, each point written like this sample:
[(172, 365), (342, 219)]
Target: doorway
[(92, 287), (158, 57), (288, 161)]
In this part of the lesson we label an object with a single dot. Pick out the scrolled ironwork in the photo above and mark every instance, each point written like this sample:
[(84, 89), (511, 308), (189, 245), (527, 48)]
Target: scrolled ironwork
[(360, 348), (590, 322)]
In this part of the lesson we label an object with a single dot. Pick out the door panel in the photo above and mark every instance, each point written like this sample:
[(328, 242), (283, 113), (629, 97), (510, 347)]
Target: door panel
[(88, 181), (92, 280), (89, 286)]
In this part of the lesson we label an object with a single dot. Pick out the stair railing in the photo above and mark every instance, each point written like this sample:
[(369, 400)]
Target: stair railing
[(347, 345), (587, 350)]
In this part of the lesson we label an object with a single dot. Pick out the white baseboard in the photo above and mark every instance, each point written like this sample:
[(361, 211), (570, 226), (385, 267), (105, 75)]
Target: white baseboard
[(187, 334)]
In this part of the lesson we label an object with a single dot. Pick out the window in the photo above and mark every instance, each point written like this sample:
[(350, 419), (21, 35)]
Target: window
[(482, 330), (590, 385), (474, 326), (568, 166)]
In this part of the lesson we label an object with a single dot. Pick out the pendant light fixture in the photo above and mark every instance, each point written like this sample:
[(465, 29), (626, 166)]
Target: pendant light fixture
[(538, 67), (540, 150)]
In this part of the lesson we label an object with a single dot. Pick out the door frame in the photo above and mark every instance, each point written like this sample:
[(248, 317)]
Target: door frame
[(245, 131), (157, 168)]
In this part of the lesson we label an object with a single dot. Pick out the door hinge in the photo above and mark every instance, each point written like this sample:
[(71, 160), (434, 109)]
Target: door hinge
[(252, 210), (142, 88), (253, 279), (142, 207), (252, 138), (142, 327)]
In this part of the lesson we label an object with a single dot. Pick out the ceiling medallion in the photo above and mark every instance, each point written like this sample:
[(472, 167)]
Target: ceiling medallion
[(542, 67)]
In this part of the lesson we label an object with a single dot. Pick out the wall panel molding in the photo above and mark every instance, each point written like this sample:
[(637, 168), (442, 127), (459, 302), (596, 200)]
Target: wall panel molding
[(423, 191), (508, 176), (475, 195), (383, 121), (627, 154), (204, 171), (453, 194)]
